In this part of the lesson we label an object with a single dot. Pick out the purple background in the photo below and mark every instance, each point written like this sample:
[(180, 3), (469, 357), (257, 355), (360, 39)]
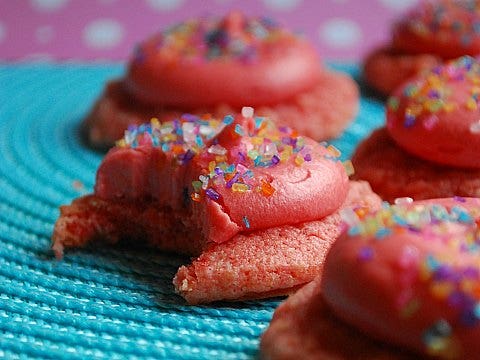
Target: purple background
[(107, 29)]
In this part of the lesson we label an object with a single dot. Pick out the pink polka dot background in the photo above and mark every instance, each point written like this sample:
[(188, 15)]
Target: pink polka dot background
[(107, 29)]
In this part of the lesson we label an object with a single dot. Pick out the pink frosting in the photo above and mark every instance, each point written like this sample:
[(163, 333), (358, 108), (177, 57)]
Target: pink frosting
[(235, 60), (435, 116), (301, 192), (410, 279)]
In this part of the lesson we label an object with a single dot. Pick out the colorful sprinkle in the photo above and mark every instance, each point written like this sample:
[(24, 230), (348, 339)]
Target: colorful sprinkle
[(266, 188), (247, 112), (239, 187), (349, 216), (195, 197), (299, 160), (349, 169), (366, 253), (403, 201), (333, 151), (239, 129), (228, 119), (430, 121), (217, 150), (410, 308), (246, 222), (475, 128), (393, 103), (212, 194), (436, 337)]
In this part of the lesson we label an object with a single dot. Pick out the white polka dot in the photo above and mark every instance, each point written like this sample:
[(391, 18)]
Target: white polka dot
[(3, 32), (282, 4), (398, 4), (44, 34), (165, 5), (103, 33), (340, 33), (48, 5)]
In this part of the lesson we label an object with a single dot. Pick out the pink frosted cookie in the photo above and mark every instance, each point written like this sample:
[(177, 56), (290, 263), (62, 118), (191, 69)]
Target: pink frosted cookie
[(399, 283), (429, 33), (215, 187), (433, 141), (216, 66)]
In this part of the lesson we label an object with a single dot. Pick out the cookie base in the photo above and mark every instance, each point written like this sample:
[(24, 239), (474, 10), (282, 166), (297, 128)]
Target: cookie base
[(259, 264), (321, 113), (303, 327), (393, 173)]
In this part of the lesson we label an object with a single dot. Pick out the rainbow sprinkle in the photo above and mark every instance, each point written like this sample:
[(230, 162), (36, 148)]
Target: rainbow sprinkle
[(400, 216), (234, 36), (431, 94), (246, 222), (184, 137), (261, 145)]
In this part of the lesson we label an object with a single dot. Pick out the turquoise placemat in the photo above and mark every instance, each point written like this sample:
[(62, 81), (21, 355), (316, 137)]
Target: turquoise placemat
[(111, 302)]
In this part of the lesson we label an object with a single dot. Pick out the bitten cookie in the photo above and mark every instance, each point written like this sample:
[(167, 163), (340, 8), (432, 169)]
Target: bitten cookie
[(257, 203)]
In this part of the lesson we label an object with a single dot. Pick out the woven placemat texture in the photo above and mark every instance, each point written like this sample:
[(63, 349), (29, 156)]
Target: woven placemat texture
[(107, 302)]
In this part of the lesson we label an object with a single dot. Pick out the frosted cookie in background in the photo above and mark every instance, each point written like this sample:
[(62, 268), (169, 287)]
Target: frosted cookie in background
[(399, 283), (428, 34), (217, 65), (430, 145)]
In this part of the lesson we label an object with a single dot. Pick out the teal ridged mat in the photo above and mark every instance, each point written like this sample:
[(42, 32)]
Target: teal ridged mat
[(108, 302)]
